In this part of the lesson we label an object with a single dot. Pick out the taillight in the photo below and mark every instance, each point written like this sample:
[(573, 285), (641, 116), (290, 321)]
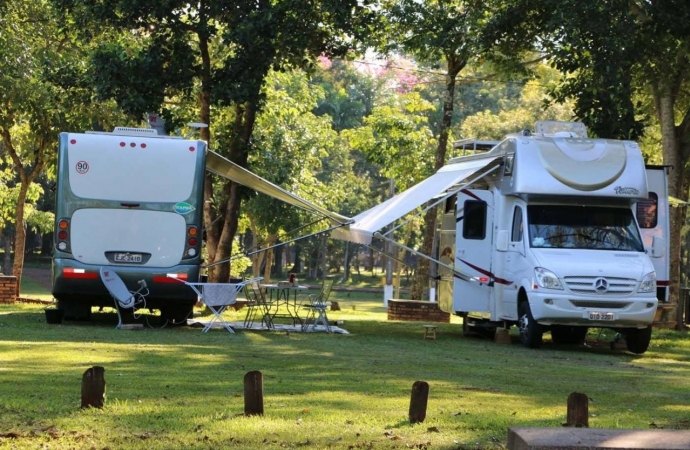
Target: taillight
[(191, 241), (63, 235), (192, 231)]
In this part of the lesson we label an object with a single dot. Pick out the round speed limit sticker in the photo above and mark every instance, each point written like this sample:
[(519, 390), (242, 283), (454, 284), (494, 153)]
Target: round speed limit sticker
[(82, 167)]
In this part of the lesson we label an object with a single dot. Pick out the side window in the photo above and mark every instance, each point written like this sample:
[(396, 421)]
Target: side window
[(647, 212), (516, 235), (474, 221)]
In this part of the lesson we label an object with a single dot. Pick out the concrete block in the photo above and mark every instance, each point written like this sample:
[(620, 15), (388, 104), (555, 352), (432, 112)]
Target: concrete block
[(596, 438)]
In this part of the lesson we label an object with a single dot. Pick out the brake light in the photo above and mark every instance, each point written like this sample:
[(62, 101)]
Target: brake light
[(62, 235), (191, 241)]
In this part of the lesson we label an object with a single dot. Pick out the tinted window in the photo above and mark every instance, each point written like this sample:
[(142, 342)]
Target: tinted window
[(516, 235), (474, 221), (647, 212)]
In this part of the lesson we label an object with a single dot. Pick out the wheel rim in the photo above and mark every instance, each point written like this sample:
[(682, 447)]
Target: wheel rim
[(523, 326)]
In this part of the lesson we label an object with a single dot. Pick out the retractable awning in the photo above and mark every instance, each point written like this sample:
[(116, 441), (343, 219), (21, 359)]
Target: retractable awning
[(369, 222), (227, 169)]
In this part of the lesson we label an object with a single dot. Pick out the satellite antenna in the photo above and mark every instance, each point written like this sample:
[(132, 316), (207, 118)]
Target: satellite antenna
[(197, 126)]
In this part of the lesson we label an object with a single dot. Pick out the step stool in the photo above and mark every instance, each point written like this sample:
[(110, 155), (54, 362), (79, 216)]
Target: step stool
[(430, 331)]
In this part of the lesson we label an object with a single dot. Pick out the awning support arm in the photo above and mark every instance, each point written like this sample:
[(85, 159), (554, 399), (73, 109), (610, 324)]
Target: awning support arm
[(460, 275), (450, 194)]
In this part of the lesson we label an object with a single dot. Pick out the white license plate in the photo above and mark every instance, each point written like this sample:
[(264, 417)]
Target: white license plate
[(604, 316), (128, 257)]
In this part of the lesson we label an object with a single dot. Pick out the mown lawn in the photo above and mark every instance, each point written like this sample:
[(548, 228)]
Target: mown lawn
[(180, 388)]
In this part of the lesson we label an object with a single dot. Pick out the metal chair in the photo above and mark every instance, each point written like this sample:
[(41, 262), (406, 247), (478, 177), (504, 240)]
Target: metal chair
[(256, 304), (123, 297), (217, 297), (316, 309)]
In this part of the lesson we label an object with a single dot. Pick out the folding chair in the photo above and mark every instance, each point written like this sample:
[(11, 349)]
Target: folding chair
[(217, 297), (256, 304), (123, 297), (316, 309)]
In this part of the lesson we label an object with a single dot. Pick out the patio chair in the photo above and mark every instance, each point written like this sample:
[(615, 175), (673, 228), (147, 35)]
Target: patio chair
[(217, 297), (316, 309), (123, 297), (257, 305)]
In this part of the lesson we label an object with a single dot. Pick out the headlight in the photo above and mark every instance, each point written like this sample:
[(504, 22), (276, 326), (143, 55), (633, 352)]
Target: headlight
[(648, 283), (547, 279)]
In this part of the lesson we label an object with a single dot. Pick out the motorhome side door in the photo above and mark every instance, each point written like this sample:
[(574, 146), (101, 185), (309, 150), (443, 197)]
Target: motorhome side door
[(473, 250), (654, 221)]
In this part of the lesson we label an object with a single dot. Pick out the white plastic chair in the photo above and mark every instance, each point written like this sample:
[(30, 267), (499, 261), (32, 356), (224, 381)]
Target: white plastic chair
[(123, 297), (217, 297)]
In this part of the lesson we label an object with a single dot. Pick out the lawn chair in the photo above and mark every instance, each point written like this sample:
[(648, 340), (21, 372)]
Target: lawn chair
[(257, 306), (316, 309), (217, 297), (123, 297)]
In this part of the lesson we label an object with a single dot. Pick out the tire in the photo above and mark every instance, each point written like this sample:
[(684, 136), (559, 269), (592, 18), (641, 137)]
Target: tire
[(568, 335), (637, 339), (530, 331)]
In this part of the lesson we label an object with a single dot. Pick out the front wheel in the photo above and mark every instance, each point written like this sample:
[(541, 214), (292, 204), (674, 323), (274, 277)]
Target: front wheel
[(530, 331), (637, 339)]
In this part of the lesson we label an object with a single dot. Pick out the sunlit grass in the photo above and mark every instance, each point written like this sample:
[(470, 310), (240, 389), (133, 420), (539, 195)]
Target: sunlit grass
[(180, 388)]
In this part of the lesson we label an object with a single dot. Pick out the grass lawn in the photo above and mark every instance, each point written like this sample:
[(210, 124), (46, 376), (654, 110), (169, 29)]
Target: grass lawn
[(179, 388)]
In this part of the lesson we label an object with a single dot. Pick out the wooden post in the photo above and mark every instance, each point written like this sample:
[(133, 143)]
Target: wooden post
[(578, 411), (93, 387), (418, 401), (254, 393)]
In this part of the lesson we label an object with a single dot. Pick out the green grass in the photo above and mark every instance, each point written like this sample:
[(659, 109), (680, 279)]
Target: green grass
[(180, 388)]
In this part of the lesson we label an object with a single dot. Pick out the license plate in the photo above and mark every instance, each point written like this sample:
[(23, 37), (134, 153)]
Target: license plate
[(603, 316), (128, 257)]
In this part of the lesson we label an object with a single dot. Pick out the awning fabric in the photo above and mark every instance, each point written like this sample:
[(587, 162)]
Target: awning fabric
[(367, 223), (227, 169)]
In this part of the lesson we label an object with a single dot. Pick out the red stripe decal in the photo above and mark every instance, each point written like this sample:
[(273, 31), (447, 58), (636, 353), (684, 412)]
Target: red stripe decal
[(470, 194), (487, 273), (663, 283), (166, 279), (83, 276)]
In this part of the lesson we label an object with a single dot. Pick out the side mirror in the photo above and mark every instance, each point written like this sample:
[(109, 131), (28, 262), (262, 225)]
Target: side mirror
[(658, 247), (502, 241)]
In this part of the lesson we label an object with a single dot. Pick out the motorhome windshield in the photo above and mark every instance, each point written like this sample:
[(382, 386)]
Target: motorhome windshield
[(585, 227)]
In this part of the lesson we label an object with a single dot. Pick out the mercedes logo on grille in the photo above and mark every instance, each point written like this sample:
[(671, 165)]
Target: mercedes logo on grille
[(601, 285)]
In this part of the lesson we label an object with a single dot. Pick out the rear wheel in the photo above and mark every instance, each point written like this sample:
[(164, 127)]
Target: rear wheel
[(637, 339), (530, 331)]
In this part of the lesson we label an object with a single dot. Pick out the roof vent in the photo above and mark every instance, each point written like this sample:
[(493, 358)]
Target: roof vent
[(127, 131)]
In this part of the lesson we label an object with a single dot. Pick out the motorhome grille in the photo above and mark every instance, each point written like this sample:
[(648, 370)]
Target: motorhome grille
[(615, 286), (596, 304)]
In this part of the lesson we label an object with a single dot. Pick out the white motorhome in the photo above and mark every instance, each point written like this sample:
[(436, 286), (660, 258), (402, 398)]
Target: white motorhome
[(541, 232)]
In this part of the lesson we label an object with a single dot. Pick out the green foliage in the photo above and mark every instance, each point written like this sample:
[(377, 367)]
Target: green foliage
[(397, 139)]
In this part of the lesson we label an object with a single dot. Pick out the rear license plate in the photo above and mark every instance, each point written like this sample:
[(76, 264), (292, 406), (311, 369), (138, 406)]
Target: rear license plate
[(128, 257), (604, 316)]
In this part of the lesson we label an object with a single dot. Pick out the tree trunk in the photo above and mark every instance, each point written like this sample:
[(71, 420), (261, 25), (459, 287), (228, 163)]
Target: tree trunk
[(346, 262), (277, 266), (420, 280), (664, 102)]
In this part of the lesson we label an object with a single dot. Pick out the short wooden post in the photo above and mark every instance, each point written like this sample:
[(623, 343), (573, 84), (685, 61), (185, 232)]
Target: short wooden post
[(578, 411), (93, 387), (418, 401), (254, 393)]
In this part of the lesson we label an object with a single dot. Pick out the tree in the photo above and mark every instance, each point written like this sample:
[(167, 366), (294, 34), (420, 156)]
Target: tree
[(219, 53), (34, 106)]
